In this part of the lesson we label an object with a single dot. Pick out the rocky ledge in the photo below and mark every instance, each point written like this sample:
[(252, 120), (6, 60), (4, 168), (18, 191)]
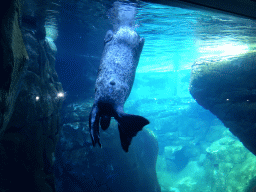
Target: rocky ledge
[(227, 87)]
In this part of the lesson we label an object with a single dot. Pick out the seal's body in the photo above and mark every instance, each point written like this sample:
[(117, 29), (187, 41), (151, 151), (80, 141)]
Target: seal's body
[(114, 83)]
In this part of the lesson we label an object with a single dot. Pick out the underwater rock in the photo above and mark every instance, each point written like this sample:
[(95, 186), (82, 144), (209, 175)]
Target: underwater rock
[(171, 150), (177, 157), (165, 122), (226, 166), (13, 58), (30, 132), (81, 167), (187, 184), (227, 87), (191, 178), (227, 150), (229, 166), (214, 133)]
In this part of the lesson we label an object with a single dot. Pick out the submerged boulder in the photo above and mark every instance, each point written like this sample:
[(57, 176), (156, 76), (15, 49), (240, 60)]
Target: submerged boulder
[(229, 166), (227, 87)]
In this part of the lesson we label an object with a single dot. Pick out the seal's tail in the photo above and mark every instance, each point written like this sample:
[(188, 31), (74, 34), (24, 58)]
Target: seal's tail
[(129, 126)]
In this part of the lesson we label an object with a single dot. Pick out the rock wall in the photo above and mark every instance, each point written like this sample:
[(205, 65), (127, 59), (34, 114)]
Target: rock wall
[(13, 57), (227, 87), (29, 104)]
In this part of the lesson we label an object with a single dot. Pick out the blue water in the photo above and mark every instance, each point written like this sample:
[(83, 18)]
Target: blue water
[(174, 39)]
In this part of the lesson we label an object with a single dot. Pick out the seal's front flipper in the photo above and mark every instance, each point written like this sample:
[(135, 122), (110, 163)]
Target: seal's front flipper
[(129, 126), (94, 125)]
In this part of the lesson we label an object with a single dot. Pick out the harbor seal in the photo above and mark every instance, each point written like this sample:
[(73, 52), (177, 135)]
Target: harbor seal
[(114, 82)]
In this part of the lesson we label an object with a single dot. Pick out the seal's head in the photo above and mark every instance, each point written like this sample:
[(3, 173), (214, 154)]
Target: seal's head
[(123, 14)]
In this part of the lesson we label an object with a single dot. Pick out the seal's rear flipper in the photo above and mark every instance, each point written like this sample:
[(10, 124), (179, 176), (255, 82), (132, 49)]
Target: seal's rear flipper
[(105, 122), (129, 126), (94, 125)]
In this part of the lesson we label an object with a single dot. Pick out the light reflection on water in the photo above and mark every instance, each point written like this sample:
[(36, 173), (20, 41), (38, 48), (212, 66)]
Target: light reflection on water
[(176, 37)]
